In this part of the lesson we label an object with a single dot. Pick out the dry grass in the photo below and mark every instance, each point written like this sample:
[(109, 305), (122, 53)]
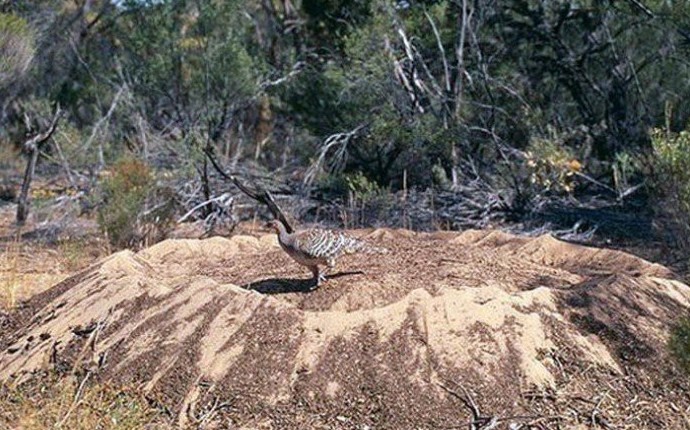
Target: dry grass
[(9, 276), (61, 402), (30, 264), (27, 269)]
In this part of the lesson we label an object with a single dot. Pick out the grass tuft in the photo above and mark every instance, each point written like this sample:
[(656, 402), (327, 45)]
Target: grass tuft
[(679, 343), (51, 401)]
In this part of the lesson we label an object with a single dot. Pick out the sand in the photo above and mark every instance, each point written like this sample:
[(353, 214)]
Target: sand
[(523, 326)]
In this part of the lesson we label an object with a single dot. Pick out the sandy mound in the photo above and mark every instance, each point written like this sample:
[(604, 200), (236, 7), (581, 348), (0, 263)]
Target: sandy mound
[(532, 330)]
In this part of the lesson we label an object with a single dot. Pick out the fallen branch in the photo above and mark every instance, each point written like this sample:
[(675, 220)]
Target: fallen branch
[(477, 422), (595, 182), (221, 198), (483, 422)]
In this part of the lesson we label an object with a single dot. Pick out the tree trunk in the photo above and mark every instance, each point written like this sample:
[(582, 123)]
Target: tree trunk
[(23, 205), (33, 146), (206, 186)]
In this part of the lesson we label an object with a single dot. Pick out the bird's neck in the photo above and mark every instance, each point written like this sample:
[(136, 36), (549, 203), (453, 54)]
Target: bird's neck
[(282, 233)]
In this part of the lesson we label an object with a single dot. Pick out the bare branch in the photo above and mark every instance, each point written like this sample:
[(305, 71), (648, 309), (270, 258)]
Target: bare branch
[(104, 119), (402, 76), (341, 139), (637, 4), (297, 68), (460, 56), (446, 70), (259, 194), (40, 138)]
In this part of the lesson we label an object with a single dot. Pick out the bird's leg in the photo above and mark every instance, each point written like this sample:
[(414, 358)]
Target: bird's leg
[(330, 264), (318, 277)]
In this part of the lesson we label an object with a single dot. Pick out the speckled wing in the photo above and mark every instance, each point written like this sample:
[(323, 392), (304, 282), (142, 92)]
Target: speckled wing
[(325, 244)]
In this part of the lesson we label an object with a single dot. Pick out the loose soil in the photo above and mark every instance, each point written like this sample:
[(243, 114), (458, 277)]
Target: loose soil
[(525, 331)]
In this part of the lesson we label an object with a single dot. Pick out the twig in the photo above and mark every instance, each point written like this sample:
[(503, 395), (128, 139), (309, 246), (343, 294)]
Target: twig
[(480, 422), (91, 342), (642, 7), (75, 402), (594, 181), (217, 406), (595, 418), (630, 191), (470, 403), (297, 68)]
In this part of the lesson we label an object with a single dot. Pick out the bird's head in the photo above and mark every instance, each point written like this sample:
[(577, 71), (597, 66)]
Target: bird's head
[(273, 225)]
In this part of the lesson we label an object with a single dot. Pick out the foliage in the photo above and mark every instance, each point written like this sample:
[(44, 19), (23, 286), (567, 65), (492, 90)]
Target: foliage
[(626, 167), (127, 212), (17, 48), (679, 343), (431, 93), (193, 53), (671, 174), (365, 199), (551, 167), (360, 188)]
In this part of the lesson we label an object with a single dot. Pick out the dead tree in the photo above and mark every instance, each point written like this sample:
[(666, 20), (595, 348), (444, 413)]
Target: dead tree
[(33, 147), (257, 193)]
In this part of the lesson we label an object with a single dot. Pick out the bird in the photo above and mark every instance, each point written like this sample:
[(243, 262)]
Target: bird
[(314, 247)]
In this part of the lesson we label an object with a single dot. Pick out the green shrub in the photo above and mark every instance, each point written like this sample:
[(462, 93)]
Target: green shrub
[(671, 176), (679, 343), (134, 212), (361, 189), (551, 167), (625, 166), (440, 178), (17, 48)]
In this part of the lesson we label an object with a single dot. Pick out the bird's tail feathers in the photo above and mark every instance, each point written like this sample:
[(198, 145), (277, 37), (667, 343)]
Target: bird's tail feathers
[(360, 246)]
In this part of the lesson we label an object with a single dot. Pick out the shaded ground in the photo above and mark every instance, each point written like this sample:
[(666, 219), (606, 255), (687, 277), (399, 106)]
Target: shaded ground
[(533, 331)]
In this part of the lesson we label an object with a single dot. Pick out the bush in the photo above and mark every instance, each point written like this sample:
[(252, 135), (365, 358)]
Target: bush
[(671, 177), (134, 212), (551, 167), (679, 343), (17, 48)]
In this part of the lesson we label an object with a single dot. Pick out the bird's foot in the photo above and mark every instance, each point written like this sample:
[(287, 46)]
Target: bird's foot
[(318, 280)]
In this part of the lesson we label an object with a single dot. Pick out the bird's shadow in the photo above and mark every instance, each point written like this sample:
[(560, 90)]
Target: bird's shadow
[(283, 286)]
